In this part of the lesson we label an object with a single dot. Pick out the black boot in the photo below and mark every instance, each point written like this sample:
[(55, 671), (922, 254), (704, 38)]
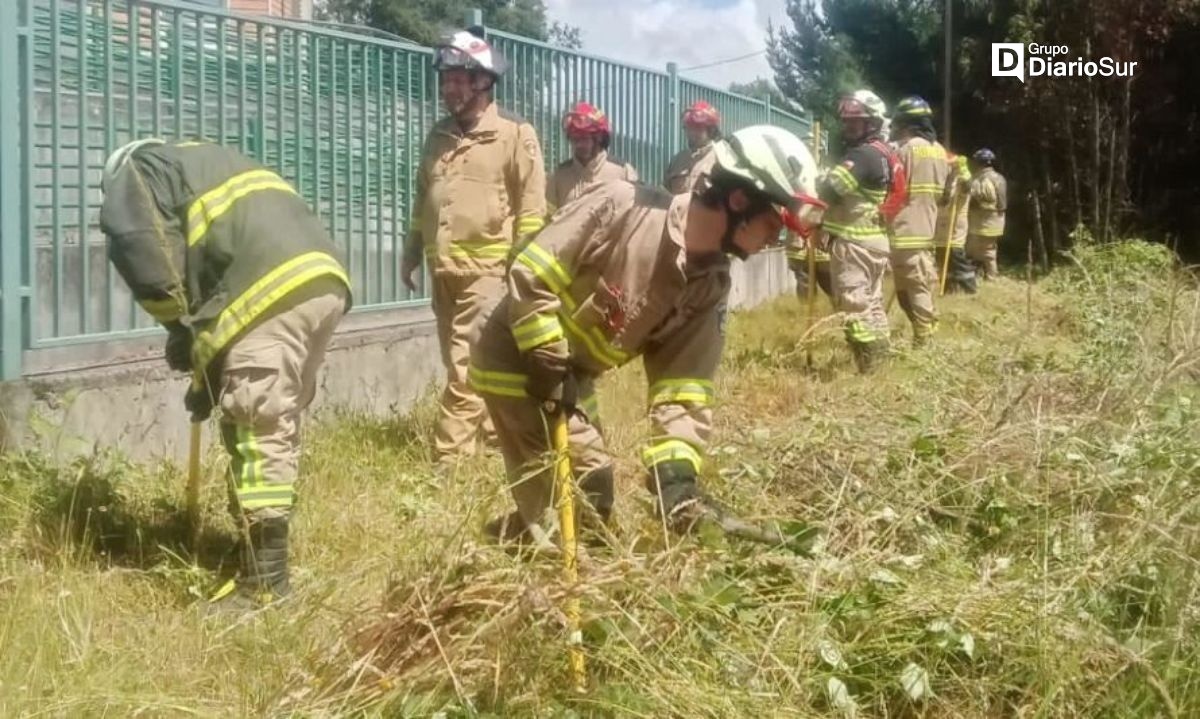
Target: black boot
[(263, 575), (680, 500)]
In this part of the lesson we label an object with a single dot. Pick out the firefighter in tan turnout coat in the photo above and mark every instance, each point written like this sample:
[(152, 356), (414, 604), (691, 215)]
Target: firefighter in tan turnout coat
[(481, 189), (588, 131), (622, 272), (702, 126), (912, 230)]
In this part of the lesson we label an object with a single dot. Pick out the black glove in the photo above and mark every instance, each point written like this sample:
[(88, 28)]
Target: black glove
[(550, 379), (559, 388), (199, 401), (179, 347)]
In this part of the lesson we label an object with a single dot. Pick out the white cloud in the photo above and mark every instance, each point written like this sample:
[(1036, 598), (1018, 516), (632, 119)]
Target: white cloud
[(689, 32)]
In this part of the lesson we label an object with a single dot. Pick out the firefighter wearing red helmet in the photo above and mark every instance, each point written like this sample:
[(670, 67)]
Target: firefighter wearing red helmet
[(589, 133), (702, 126)]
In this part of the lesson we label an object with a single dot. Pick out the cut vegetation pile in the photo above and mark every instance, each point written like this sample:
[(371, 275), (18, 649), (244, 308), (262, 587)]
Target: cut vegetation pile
[(1004, 524)]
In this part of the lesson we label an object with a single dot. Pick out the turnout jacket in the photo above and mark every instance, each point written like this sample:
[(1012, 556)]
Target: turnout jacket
[(989, 200), (206, 237), (958, 189), (687, 167), (925, 165), (572, 177), (609, 280), (478, 193), (854, 189)]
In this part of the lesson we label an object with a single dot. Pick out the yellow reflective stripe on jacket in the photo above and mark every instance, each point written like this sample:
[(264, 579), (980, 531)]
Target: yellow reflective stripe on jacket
[(925, 188), (595, 342), (988, 233), (546, 268), (207, 208), (929, 152), (843, 180), (164, 311), (477, 250), (503, 384), (799, 253), (556, 278), (876, 196), (855, 232), (261, 295), (530, 224), (537, 330), (668, 450), (699, 392)]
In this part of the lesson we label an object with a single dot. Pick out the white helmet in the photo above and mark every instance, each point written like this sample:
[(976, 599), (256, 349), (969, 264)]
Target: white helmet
[(778, 164), (774, 160), (121, 155), (465, 51)]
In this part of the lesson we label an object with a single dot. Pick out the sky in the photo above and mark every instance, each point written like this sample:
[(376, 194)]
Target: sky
[(689, 32)]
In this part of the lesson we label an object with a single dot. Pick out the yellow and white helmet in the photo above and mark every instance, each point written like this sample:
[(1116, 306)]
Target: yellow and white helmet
[(779, 165)]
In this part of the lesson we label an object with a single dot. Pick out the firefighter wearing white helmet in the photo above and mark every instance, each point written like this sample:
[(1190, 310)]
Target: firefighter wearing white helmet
[(627, 271), (856, 189), (481, 190)]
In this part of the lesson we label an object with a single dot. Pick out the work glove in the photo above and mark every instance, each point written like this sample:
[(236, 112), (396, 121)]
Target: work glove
[(201, 397), (179, 347), (550, 379), (199, 401)]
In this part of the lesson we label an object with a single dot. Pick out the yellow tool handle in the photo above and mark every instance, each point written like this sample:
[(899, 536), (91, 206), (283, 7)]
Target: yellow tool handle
[(570, 547), (193, 485), (949, 239)]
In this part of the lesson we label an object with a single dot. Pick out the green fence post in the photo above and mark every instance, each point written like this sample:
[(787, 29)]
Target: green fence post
[(474, 18), (671, 122), (769, 120), (11, 240)]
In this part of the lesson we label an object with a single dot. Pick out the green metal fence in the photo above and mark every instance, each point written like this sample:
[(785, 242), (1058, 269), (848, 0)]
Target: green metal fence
[(341, 116), (643, 105)]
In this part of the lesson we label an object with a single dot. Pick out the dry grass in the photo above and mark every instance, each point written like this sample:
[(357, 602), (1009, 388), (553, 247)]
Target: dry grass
[(1009, 527)]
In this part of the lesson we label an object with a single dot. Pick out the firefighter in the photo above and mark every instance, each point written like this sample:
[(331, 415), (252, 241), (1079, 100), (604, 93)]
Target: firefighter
[(481, 189), (989, 200), (702, 127), (912, 230), (855, 188), (630, 270), (230, 260), (956, 200), (588, 131)]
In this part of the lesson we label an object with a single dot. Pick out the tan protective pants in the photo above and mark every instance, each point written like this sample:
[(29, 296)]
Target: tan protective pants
[(858, 290), (915, 279), (799, 269), (268, 379), (982, 251), (458, 302), (526, 441)]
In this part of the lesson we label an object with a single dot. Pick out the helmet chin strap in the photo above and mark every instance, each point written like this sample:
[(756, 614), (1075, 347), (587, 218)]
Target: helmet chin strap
[(733, 222)]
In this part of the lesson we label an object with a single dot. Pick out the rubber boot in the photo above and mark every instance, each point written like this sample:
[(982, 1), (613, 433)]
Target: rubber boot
[(680, 500), (263, 574)]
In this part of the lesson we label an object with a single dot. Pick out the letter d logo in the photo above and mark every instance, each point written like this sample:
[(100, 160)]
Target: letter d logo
[(1008, 60)]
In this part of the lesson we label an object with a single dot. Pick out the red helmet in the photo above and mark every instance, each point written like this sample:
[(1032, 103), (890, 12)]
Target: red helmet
[(585, 119), (701, 114)]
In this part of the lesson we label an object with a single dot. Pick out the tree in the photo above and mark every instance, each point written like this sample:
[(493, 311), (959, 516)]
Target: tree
[(424, 21), (1107, 154)]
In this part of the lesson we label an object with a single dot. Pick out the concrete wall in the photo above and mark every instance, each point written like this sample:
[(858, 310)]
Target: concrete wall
[(121, 395)]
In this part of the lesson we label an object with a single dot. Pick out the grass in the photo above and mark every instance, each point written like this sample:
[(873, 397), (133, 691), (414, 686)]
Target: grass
[(1008, 527)]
